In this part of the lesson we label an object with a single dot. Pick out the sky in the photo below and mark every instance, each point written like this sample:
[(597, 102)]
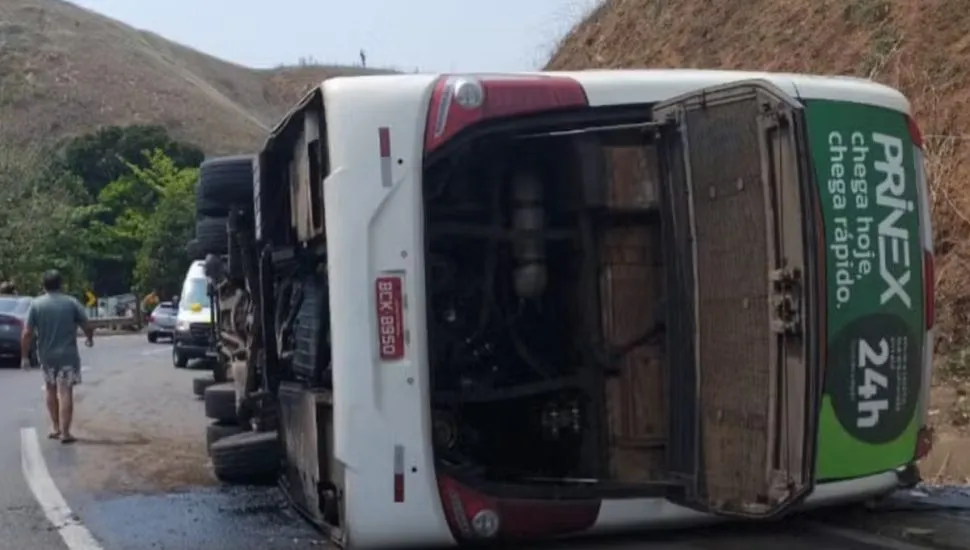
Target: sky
[(428, 35)]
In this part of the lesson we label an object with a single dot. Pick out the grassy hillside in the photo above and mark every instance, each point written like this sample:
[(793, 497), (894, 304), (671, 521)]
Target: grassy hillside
[(919, 46), (65, 70)]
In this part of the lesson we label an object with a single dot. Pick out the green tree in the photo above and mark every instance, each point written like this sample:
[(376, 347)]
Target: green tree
[(99, 211), (104, 156), (119, 200), (162, 259), (40, 226)]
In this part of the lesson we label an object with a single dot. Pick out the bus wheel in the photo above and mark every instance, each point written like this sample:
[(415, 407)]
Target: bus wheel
[(212, 235), (200, 383), (217, 432), (246, 457), (220, 403)]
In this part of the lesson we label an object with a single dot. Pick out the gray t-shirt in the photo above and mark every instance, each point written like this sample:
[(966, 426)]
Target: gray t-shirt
[(54, 319)]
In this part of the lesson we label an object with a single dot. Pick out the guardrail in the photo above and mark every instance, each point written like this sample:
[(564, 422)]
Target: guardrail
[(115, 323)]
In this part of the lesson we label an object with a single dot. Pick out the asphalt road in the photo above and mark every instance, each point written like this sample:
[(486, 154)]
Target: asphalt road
[(138, 477)]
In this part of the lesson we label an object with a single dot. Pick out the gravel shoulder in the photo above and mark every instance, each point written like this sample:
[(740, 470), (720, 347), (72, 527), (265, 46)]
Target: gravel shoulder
[(139, 427)]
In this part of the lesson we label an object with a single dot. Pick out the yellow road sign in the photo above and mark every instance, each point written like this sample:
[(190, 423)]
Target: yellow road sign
[(89, 298)]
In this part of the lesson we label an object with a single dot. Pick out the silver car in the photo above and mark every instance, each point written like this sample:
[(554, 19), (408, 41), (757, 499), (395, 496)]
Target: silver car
[(161, 322)]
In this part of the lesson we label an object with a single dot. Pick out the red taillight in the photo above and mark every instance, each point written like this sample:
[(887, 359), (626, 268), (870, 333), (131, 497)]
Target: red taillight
[(473, 515), (914, 132), (929, 289), (458, 102)]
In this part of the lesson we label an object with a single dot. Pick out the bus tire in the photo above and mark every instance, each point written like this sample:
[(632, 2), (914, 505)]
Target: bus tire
[(220, 403), (212, 234), (216, 431), (192, 249), (200, 383), (225, 182), (246, 457)]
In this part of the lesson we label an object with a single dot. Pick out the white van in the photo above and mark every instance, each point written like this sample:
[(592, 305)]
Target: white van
[(193, 321), (505, 307)]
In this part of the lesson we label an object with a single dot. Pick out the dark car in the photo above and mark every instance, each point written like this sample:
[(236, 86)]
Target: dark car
[(13, 315)]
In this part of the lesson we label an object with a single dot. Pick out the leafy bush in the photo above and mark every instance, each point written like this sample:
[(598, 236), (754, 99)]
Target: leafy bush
[(106, 213)]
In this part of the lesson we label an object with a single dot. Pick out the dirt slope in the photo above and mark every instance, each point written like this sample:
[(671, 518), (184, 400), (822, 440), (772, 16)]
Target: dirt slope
[(66, 70), (919, 46)]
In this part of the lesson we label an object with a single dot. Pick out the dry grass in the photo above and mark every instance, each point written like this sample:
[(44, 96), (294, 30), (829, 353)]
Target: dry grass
[(919, 46), (65, 70)]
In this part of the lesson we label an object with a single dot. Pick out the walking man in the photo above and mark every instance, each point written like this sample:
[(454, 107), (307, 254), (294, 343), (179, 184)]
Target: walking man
[(53, 320)]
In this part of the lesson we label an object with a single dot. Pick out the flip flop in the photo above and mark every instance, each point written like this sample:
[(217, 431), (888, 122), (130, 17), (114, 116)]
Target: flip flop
[(54, 435), (68, 439)]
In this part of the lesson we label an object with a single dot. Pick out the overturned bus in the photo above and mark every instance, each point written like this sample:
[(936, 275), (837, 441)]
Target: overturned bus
[(462, 308)]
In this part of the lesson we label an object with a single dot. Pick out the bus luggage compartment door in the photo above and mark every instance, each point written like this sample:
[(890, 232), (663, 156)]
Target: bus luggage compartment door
[(744, 385), (306, 430)]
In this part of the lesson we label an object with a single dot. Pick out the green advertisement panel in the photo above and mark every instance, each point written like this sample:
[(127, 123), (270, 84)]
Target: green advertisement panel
[(863, 159)]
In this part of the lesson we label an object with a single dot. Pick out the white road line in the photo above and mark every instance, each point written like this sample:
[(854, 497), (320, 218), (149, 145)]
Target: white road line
[(75, 535), (157, 351)]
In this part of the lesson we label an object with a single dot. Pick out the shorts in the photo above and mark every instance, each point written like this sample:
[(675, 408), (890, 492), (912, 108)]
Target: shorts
[(69, 375)]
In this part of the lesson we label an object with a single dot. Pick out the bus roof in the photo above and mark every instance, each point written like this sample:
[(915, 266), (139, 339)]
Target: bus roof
[(608, 87), (616, 87)]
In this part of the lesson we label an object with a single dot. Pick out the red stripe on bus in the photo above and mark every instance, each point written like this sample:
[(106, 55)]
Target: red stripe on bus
[(385, 136)]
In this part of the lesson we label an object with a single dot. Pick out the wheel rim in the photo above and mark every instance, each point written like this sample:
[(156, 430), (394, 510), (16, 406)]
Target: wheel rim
[(175, 356)]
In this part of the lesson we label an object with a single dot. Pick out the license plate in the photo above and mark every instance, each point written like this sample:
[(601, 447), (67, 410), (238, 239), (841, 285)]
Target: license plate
[(389, 294)]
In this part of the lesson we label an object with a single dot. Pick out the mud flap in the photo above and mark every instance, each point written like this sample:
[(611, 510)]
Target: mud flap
[(744, 383), (306, 430)]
